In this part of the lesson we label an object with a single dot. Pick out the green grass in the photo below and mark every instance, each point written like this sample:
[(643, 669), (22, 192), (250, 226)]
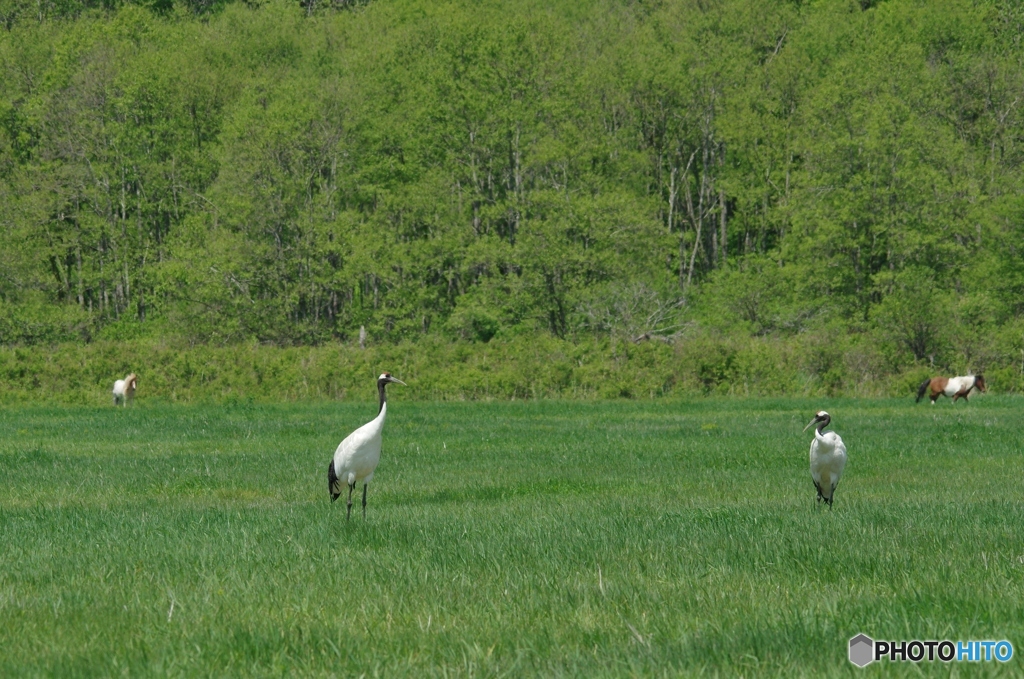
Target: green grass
[(505, 539)]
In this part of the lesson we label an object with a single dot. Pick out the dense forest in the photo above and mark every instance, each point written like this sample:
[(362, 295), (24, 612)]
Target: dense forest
[(841, 182)]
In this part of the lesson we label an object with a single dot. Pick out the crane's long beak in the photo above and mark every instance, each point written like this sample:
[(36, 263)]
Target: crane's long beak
[(810, 423), (398, 381)]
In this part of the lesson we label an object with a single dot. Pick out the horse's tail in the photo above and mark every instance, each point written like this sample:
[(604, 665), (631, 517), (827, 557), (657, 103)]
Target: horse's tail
[(922, 389)]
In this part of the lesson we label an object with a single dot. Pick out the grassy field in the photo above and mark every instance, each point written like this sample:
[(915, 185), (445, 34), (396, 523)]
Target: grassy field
[(505, 539)]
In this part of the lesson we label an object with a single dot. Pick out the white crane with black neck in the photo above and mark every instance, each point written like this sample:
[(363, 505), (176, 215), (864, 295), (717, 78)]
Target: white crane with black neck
[(357, 456), (828, 457)]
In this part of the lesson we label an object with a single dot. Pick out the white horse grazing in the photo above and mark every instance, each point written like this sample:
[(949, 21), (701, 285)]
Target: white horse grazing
[(124, 390)]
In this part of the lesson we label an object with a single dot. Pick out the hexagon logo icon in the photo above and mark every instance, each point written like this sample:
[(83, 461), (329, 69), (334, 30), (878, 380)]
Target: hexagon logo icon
[(862, 649)]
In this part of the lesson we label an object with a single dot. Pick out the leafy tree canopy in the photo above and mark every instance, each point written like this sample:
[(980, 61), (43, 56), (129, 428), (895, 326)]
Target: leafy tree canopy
[(292, 172)]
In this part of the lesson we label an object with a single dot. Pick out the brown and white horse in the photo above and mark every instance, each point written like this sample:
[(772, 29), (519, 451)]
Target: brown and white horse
[(954, 387), (124, 390)]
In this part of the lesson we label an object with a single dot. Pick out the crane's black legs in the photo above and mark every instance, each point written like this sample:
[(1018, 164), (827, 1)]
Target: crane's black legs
[(352, 487), (821, 496)]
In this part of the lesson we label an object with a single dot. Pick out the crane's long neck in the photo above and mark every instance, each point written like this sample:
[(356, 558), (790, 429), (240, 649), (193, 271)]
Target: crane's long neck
[(381, 390), (820, 429)]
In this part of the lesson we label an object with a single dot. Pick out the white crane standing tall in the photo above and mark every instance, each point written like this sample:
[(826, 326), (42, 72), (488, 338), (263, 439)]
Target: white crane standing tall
[(357, 456), (828, 457)]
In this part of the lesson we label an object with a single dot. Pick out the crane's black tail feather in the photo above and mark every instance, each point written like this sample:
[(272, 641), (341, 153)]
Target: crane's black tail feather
[(332, 482), (922, 388)]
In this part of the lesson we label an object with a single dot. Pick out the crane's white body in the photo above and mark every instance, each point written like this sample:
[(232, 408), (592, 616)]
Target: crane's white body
[(828, 458), (358, 455)]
